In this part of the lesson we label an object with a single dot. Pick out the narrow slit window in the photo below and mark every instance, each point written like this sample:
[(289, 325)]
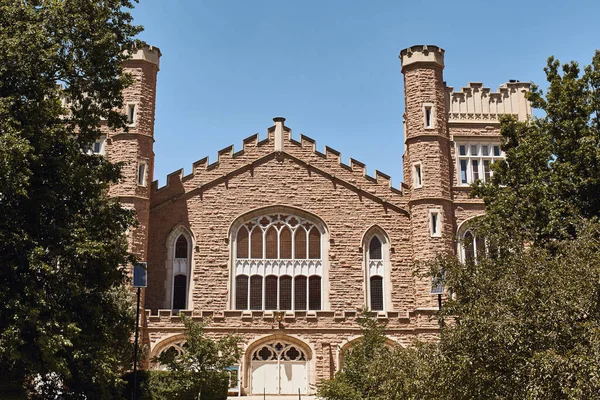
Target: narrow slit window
[(428, 120), (417, 175), (141, 178), (434, 221), (130, 113)]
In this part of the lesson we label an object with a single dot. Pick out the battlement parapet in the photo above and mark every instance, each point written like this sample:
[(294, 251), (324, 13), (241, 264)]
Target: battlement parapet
[(428, 54), (149, 54), (254, 152), (476, 103)]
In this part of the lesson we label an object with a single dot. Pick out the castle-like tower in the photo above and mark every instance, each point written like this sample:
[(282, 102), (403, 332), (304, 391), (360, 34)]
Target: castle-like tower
[(427, 162), (134, 148)]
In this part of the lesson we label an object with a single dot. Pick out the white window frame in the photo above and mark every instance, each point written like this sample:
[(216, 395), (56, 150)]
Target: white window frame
[(417, 175), (172, 263), (429, 124), (480, 158), (377, 267), (142, 178), (435, 230), (279, 267)]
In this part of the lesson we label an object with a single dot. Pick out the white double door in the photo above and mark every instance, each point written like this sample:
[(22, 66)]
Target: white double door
[(279, 377)]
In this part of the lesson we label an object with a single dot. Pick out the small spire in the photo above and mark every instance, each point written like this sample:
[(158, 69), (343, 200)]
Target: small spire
[(279, 133)]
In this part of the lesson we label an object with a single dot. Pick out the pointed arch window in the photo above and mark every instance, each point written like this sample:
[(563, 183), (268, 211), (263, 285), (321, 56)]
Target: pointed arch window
[(377, 271), (471, 245), (284, 252), (179, 281)]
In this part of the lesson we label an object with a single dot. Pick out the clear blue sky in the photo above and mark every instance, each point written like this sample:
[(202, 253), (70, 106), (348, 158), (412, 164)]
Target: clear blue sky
[(331, 67)]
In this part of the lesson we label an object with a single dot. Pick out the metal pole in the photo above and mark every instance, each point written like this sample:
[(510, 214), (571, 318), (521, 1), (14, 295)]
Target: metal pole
[(299, 398), (440, 309), (135, 349)]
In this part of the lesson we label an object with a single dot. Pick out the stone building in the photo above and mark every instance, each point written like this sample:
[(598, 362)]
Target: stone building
[(283, 244)]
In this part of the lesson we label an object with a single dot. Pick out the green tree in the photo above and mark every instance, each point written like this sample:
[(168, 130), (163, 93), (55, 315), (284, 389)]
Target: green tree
[(65, 320), (375, 370), (200, 372), (524, 320)]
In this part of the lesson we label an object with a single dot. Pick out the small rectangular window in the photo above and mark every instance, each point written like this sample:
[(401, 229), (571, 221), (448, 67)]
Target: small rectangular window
[(496, 151), (474, 150), (428, 116), (462, 150), (485, 151), (130, 113), (141, 178), (435, 223), (475, 166), (463, 171), (417, 175)]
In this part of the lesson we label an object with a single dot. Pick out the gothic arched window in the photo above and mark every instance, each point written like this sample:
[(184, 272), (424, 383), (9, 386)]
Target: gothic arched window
[(180, 245), (377, 270), (471, 245), (278, 264)]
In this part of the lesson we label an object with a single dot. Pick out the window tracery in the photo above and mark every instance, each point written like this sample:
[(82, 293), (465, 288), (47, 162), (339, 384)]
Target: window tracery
[(278, 351), (278, 264)]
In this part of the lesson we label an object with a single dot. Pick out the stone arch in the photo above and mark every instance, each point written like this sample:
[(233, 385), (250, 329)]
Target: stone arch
[(461, 230), (381, 234), (175, 340), (316, 220), (176, 232), (256, 344)]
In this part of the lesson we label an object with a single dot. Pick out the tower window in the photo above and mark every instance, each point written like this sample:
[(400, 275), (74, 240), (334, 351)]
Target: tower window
[(417, 175), (141, 177), (435, 225), (131, 113), (428, 115)]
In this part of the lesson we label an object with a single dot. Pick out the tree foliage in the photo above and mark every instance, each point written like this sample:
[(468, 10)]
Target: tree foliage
[(525, 318), (65, 320), (375, 369), (200, 372)]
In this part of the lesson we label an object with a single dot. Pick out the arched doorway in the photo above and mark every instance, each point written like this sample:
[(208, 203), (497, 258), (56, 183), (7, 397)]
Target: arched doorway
[(278, 367)]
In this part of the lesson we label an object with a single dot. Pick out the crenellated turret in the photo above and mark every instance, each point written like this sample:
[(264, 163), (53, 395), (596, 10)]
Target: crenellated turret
[(427, 160)]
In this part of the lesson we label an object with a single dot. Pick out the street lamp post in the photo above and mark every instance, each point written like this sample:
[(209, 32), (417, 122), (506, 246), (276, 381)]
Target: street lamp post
[(140, 280)]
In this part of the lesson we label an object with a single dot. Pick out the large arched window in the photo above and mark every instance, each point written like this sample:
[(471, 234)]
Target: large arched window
[(278, 264), (377, 271)]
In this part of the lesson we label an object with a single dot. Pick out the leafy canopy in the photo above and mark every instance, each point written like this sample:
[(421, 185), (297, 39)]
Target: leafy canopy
[(200, 372), (65, 321)]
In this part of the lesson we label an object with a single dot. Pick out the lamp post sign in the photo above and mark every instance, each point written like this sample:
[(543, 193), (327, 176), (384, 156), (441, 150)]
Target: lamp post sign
[(140, 280)]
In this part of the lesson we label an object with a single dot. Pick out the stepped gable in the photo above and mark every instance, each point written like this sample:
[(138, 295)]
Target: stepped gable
[(476, 103), (277, 144)]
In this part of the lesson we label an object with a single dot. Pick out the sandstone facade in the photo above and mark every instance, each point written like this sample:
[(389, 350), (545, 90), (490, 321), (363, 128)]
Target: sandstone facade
[(276, 241)]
